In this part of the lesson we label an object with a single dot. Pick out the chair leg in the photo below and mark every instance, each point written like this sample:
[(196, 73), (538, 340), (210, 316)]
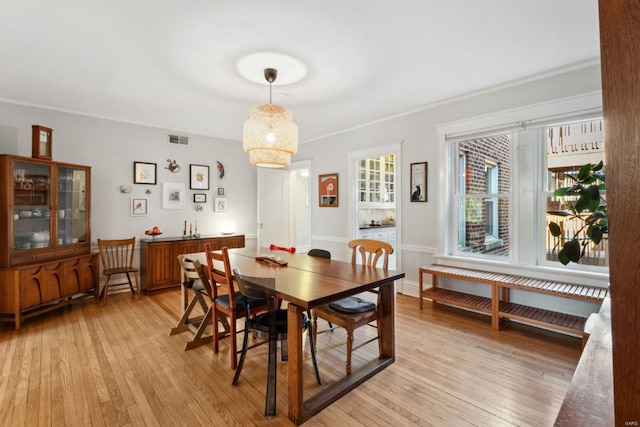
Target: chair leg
[(349, 348), (105, 290), (133, 290), (245, 342), (138, 290), (198, 339), (284, 350), (233, 346), (183, 323), (311, 333), (216, 336), (315, 328)]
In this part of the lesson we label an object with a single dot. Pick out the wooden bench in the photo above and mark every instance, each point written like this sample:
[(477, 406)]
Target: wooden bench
[(499, 306)]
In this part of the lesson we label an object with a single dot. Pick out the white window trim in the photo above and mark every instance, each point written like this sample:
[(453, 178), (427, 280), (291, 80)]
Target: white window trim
[(586, 105)]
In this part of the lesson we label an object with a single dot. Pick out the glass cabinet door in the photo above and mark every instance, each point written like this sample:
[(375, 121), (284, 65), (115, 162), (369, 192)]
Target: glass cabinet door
[(71, 215), (32, 206)]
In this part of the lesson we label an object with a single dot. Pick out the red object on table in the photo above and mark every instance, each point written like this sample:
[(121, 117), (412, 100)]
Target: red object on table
[(280, 248)]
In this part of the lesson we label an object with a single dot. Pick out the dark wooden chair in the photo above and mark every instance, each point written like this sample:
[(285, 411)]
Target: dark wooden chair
[(270, 326), (117, 258), (226, 301), (352, 312)]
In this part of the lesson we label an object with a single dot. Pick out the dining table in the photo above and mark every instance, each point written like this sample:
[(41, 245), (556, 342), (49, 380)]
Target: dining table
[(306, 282)]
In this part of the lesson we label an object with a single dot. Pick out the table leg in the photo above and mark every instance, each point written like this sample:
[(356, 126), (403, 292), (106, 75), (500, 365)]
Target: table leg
[(270, 404), (301, 410), (386, 319), (294, 336)]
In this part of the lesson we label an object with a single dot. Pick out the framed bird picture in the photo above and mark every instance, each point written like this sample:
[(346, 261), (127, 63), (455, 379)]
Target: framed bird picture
[(199, 177), (139, 206)]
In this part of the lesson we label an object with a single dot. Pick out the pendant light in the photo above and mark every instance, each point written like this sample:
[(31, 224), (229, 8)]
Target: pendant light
[(269, 135)]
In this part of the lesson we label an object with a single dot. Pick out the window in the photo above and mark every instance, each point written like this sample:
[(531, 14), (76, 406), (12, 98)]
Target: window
[(483, 197), (569, 146), (502, 198)]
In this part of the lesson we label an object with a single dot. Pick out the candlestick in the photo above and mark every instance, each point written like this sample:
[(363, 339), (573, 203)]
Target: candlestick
[(185, 226), (190, 229)]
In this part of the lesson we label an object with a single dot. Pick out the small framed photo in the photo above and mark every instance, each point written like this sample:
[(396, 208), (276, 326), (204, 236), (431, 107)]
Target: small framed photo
[(199, 177), (220, 204), (144, 173), (139, 206), (419, 182), (199, 198), (328, 190), (220, 191), (172, 195)]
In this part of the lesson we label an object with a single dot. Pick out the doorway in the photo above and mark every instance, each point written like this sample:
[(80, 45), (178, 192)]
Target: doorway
[(375, 177), (284, 214)]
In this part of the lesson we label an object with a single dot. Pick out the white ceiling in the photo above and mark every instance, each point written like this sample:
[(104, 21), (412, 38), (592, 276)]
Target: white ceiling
[(172, 63)]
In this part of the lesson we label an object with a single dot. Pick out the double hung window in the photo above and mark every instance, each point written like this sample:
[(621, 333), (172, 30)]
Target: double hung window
[(502, 184)]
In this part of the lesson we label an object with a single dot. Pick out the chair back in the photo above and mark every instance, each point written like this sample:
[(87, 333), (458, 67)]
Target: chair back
[(255, 287), (193, 271), (220, 275), (319, 253), (116, 254), (370, 251)]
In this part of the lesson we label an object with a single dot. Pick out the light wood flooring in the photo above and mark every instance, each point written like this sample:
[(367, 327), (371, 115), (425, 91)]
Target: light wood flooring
[(89, 365)]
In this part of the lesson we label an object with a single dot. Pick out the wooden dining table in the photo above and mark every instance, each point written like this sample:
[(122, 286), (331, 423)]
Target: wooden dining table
[(307, 282)]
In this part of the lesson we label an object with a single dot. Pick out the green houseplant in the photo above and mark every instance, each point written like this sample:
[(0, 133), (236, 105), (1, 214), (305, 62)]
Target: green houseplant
[(588, 206)]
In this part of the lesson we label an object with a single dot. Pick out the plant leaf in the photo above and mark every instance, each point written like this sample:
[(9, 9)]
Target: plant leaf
[(554, 229), (583, 202), (562, 257), (572, 250), (584, 172), (598, 166)]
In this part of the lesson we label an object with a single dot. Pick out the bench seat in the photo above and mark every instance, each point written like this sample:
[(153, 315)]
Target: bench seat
[(499, 306)]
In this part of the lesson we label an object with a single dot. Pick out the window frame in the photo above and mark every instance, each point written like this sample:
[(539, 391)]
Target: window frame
[(524, 256)]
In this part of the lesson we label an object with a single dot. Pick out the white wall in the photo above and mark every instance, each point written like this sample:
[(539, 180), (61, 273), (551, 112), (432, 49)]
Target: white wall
[(417, 131), (110, 148)]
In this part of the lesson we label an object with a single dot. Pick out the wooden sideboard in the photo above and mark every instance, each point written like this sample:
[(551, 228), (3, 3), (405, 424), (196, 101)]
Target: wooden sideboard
[(159, 267), (33, 289)]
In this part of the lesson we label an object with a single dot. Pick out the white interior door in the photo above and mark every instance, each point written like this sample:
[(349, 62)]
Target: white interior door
[(273, 207)]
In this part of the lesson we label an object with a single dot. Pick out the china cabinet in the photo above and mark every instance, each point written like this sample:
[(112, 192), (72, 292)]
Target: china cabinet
[(45, 258), (376, 182), (159, 266)]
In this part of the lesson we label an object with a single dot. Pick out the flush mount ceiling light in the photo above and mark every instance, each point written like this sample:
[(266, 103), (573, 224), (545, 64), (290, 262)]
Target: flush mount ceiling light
[(270, 136)]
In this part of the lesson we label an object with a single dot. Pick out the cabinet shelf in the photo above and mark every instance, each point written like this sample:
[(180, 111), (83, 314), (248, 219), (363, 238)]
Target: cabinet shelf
[(38, 270)]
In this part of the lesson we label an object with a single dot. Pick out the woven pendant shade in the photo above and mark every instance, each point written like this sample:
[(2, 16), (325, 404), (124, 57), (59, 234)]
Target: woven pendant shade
[(269, 136)]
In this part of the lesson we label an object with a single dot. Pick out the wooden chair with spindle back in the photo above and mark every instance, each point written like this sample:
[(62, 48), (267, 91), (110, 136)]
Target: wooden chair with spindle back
[(352, 312), (117, 258)]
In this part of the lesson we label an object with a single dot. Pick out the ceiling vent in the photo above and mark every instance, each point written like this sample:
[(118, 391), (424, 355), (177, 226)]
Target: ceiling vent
[(178, 140)]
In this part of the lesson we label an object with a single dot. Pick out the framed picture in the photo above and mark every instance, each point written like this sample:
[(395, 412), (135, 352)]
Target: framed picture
[(139, 206), (172, 195), (419, 182), (220, 191), (328, 190), (199, 198), (199, 177), (144, 173), (220, 204)]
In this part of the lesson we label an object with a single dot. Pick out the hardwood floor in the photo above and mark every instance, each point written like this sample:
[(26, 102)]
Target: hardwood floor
[(89, 365)]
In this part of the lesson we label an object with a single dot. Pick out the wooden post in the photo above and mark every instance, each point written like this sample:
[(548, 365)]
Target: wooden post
[(620, 47)]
